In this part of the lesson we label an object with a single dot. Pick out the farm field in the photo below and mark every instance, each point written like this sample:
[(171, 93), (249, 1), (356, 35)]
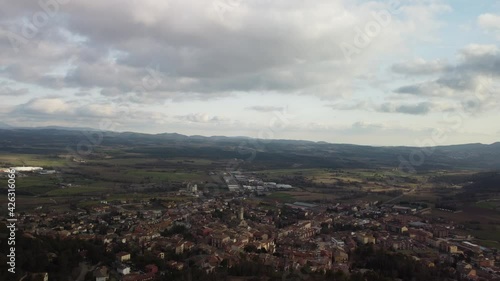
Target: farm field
[(482, 223)]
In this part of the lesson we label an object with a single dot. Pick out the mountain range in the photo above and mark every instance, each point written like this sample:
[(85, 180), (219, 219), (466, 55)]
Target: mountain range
[(257, 152)]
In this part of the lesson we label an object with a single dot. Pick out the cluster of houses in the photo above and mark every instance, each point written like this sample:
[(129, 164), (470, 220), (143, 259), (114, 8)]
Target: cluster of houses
[(225, 229)]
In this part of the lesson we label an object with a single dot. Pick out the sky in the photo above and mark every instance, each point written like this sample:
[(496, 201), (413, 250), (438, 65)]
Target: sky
[(413, 72)]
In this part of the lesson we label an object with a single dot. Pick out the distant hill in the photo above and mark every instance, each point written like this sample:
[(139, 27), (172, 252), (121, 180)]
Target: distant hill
[(5, 126), (258, 153)]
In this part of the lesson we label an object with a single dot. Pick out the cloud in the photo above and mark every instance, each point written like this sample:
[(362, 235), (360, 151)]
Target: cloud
[(437, 88), (7, 91), (111, 92), (490, 22), (201, 118), (358, 105), (477, 64), (364, 126), (47, 106), (57, 107), (472, 51), (393, 105), (200, 50), (421, 67), (262, 108), (414, 109)]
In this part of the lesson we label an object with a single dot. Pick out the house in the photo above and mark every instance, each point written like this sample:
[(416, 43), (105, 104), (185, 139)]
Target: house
[(101, 273), (466, 270), (365, 239), (395, 227), (218, 240), (339, 256), (123, 256), (179, 248), (123, 269)]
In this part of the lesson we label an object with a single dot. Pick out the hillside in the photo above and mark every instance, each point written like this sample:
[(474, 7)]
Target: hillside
[(255, 152)]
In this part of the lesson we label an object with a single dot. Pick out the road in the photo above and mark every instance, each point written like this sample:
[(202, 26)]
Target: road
[(400, 196)]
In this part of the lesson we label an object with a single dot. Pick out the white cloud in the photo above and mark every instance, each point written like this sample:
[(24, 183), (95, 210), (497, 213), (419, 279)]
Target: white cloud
[(479, 50), (266, 108), (490, 22), (46, 106), (202, 118)]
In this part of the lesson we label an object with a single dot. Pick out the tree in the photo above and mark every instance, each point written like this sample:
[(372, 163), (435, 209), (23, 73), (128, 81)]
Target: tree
[(250, 248)]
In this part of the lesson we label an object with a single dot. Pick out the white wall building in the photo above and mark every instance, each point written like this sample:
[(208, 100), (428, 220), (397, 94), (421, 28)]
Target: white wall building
[(26, 169)]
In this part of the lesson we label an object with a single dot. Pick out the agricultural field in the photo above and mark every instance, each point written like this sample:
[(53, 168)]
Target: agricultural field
[(107, 174), (482, 223), (490, 204), (48, 161)]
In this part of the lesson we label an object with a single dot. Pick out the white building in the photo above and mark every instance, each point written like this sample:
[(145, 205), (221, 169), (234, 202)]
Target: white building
[(26, 169), (192, 188), (123, 269)]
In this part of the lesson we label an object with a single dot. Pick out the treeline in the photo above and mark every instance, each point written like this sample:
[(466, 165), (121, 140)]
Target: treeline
[(44, 254)]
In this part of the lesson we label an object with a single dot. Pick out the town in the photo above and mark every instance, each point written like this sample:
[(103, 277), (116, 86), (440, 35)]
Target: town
[(213, 231)]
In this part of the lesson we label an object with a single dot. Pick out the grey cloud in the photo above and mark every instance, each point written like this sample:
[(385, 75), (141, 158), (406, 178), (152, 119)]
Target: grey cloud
[(111, 92), (414, 109), (199, 51), (421, 67), (476, 61), (362, 126), (82, 94), (418, 108), (7, 91)]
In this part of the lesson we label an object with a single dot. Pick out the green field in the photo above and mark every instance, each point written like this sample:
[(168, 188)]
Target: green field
[(280, 196), (491, 205), (72, 191), (171, 175), (9, 160)]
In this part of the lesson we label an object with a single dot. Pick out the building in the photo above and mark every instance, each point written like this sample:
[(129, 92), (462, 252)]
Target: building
[(101, 273), (283, 186), (340, 256), (218, 240), (192, 188), (365, 239), (123, 269), (241, 214), (26, 169), (123, 256)]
